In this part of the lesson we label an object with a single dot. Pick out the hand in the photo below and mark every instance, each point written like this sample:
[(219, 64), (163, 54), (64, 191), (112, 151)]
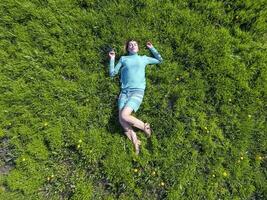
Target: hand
[(111, 54), (149, 45)]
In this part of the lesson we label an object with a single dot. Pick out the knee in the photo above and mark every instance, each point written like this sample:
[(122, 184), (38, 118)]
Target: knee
[(124, 116), (121, 119)]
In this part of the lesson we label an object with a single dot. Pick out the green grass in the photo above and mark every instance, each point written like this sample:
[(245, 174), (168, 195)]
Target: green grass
[(60, 135)]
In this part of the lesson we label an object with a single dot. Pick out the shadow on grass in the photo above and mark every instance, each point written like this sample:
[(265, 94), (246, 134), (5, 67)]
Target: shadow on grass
[(113, 125), (149, 145)]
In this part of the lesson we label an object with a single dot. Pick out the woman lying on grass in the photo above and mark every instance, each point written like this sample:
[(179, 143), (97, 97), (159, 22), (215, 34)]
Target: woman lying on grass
[(133, 85)]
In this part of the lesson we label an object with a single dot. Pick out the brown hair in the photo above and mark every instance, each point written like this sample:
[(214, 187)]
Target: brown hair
[(126, 45)]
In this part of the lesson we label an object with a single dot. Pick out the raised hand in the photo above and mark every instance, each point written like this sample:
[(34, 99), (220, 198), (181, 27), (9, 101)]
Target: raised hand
[(149, 45), (111, 54)]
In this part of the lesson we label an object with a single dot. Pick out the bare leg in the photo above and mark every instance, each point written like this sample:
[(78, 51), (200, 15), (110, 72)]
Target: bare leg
[(135, 141), (127, 117), (127, 127), (129, 132)]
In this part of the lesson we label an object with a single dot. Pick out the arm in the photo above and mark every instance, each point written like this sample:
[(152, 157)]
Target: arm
[(158, 59), (114, 70)]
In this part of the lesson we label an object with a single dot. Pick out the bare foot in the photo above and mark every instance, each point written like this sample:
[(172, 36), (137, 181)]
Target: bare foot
[(147, 129), (137, 146), (132, 136)]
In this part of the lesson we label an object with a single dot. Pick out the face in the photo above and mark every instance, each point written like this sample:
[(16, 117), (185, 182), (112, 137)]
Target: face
[(133, 47)]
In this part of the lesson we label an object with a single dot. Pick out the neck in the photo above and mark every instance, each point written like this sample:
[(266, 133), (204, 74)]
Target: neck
[(133, 53)]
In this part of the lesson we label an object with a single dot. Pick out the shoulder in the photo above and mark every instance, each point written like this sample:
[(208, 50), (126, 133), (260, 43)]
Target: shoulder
[(144, 57), (122, 58)]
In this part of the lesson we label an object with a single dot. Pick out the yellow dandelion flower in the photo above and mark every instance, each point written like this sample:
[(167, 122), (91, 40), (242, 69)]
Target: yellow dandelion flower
[(260, 158), (2, 189)]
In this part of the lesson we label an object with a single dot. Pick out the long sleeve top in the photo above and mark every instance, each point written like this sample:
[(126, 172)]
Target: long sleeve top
[(132, 69)]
